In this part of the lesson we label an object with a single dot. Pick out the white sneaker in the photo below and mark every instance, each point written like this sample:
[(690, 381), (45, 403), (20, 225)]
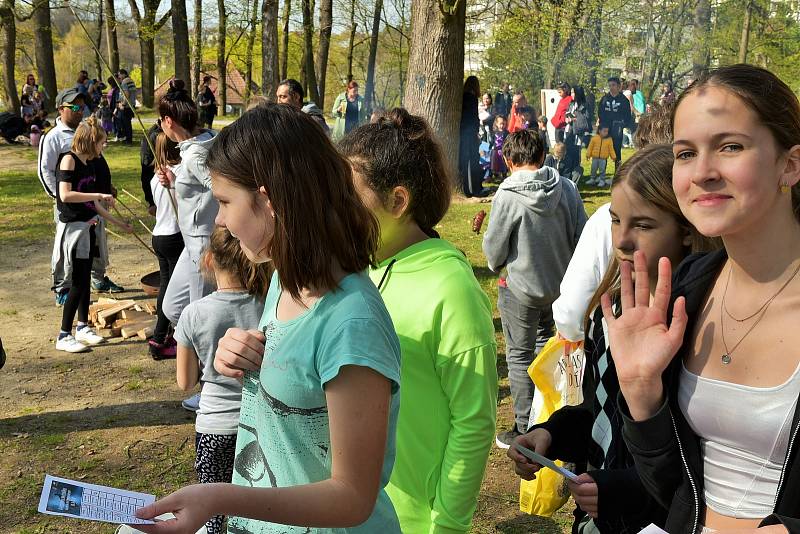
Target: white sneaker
[(70, 344), (88, 336)]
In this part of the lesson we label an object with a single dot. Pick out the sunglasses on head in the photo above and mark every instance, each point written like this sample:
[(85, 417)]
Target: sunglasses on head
[(72, 107)]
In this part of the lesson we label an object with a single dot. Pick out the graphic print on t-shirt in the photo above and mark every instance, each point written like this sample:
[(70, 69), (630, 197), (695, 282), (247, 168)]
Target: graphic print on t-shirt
[(251, 464), (261, 458), (86, 185)]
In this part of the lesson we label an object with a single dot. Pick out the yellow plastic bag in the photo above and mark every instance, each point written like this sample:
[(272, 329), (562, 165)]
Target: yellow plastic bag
[(557, 372)]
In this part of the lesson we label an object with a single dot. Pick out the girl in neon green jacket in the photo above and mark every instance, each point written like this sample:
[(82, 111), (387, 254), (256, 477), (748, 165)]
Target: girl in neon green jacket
[(443, 320)]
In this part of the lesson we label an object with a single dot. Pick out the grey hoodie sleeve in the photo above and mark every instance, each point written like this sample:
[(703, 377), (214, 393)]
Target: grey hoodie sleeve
[(194, 160), (498, 234)]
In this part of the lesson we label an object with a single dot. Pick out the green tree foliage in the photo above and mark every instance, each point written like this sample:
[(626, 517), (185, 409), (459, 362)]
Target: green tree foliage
[(535, 44), (774, 41)]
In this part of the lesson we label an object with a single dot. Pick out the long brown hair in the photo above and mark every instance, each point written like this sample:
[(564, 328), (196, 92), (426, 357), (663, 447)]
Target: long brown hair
[(649, 174), (167, 150), (227, 255), (767, 96), (319, 217)]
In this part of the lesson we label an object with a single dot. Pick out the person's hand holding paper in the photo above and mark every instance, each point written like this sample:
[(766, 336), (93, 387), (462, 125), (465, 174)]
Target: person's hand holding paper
[(538, 441)]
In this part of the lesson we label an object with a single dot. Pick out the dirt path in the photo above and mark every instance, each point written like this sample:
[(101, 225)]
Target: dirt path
[(112, 416)]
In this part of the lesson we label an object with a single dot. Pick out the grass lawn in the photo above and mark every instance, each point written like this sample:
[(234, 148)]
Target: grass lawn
[(126, 427)]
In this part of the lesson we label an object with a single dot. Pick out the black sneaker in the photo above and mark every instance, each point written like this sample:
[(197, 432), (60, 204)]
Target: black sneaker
[(505, 439), (2, 355), (106, 286)]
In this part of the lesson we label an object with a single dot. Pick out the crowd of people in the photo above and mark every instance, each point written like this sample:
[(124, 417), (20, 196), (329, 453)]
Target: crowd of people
[(577, 120), (347, 353)]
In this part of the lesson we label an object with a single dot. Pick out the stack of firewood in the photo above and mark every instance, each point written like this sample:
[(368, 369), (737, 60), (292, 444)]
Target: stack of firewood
[(123, 318)]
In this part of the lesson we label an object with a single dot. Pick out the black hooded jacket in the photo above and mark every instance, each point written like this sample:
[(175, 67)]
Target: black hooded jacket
[(668, 453), (624, 505)]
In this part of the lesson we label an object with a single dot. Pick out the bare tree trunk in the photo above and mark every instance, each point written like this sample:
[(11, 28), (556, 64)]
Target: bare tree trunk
[(401, 69), (700, 30), (197, 50), (222, 70), (287, 11), (269, 47), (148, 55), (180, 35), (308, 47), (146, 28), (352, 42), (325, 26), (248, 57), (436, 69), (745, 40), (98, 63), (43, 46), (369, 89), (594, 38), (111, 35), (551, 69), (8, 27)]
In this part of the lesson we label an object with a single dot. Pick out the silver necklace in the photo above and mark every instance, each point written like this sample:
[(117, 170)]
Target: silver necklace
[(727, 355)]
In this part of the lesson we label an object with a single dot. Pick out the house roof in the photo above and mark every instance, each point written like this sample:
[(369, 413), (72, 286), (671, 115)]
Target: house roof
[(235, 83)]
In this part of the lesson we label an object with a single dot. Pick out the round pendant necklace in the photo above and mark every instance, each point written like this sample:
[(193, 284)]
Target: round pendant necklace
[(727, 355)]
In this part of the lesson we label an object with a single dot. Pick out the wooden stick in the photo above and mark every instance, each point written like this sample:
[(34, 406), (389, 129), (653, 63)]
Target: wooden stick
[(145, 226), (129, 241), (124, 97), (134, 214), (130, 195), (121, 203), (139, 239)]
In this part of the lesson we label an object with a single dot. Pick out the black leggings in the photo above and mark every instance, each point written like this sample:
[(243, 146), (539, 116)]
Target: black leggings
[(80, 291), (168, 249), (147, 174)]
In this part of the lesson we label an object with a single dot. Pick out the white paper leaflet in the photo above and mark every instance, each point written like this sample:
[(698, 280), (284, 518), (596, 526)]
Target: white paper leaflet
[(545, 462), (72, 498)]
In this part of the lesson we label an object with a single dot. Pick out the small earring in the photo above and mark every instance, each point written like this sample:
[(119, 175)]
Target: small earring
[(784, 188)]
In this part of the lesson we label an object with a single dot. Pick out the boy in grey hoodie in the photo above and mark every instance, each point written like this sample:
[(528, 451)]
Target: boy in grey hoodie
[(536, 220)]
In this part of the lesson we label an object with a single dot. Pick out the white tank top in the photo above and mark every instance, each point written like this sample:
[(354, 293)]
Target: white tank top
[(744, 435)]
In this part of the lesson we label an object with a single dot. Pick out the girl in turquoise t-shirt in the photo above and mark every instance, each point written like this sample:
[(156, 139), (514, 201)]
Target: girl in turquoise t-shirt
[(320, 397), (449, 355)]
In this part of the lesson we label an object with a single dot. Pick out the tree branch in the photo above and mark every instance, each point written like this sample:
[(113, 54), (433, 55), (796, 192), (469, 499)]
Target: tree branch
[(137, 16), (230, 48), (160, 24)]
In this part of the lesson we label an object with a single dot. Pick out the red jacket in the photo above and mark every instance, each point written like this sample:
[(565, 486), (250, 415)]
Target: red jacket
[(559, 120), (515, 120)]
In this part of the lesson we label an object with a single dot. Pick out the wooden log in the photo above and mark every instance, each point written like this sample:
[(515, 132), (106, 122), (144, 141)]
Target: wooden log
[(146, 332), (132, 329), (107, 316), (133, 315), (109, 332), (96, 308), (150, 308), (107, 300)]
